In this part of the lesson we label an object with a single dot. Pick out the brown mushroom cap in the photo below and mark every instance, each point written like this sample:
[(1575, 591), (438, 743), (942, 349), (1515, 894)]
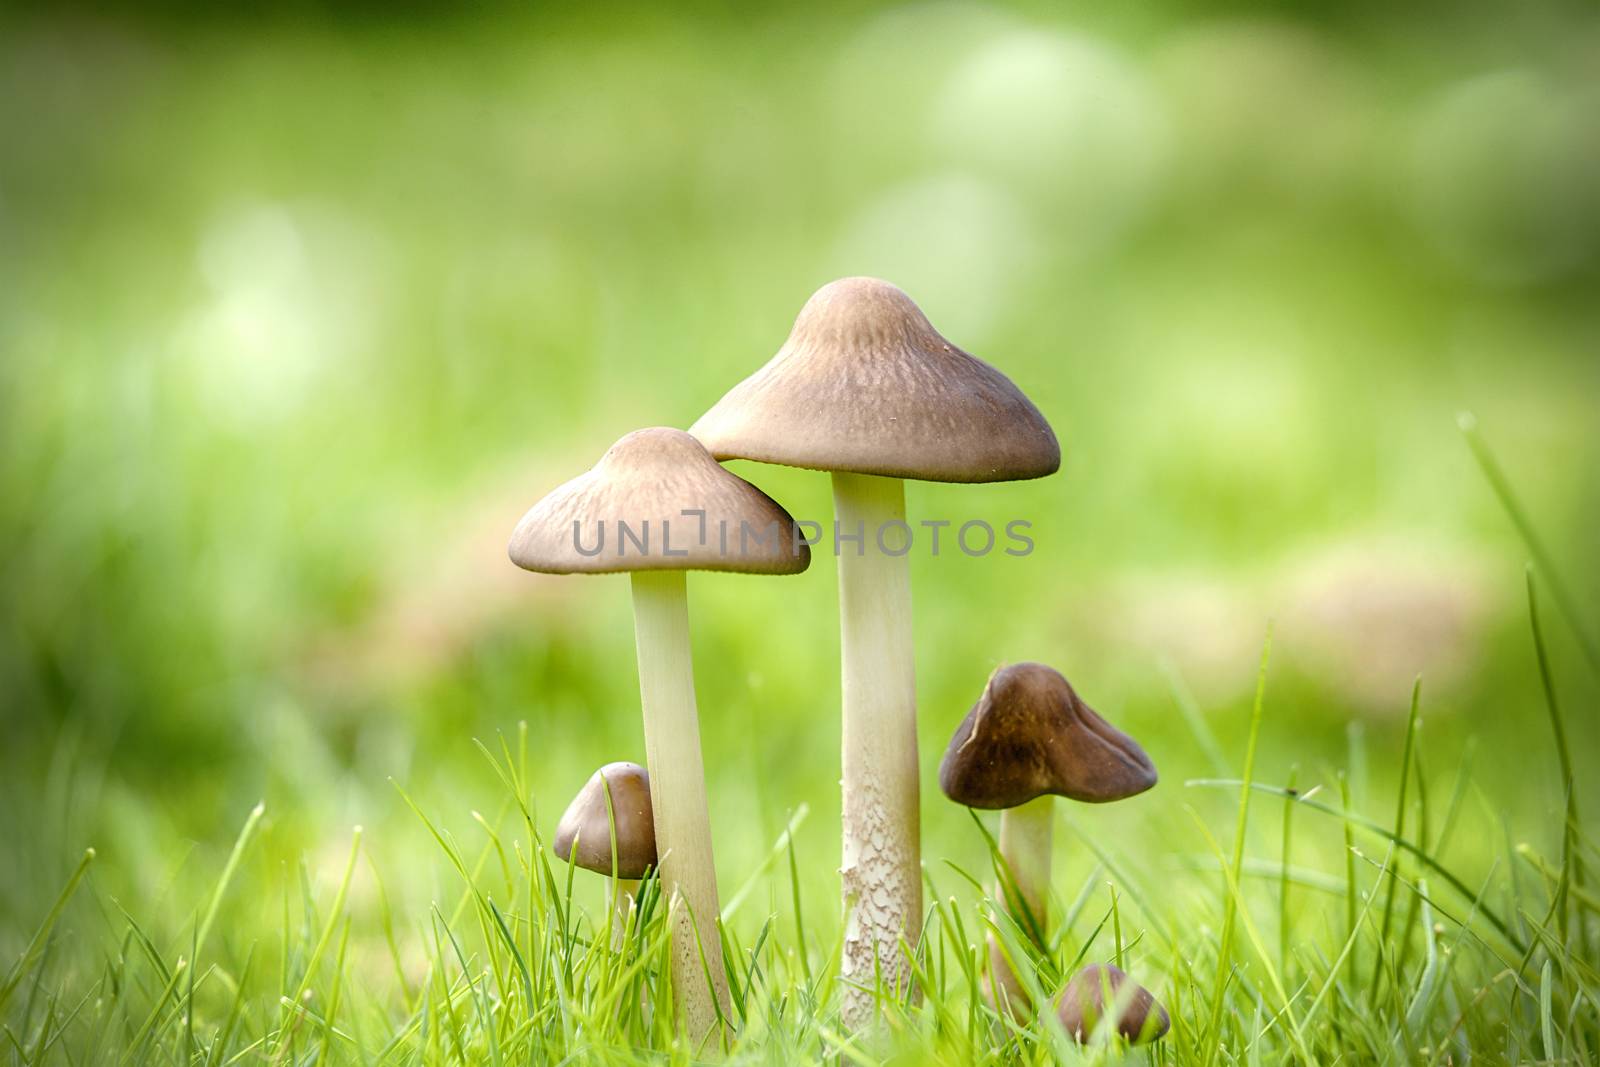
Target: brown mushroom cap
[(1031, 734), (587, 821), (656, 482), (1139, 1019), (865, 384)]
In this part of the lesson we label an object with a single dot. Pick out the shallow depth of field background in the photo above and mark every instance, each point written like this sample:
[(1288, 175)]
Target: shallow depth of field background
[(298, 315)]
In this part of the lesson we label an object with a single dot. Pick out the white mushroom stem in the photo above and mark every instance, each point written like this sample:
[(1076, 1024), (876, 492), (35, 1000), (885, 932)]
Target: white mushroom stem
[(1025, 847), (1025, 850), (625, 890), (881, 872), (678, 797)]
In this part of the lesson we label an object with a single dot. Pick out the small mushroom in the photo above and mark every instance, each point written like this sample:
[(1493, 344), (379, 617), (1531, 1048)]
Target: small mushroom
[(589, 820), (585, 836), (655, 506), (1139, 1018), (1030, 738), (867, 389)]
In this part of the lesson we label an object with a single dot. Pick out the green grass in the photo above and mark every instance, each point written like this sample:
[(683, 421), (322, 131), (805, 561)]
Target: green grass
[(518, 971), (1393, 958)]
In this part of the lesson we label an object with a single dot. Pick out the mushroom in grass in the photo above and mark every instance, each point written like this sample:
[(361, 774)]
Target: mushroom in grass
[(1136, 1016), (609, 828), (867, 389), (1030, 738), (657, 505)]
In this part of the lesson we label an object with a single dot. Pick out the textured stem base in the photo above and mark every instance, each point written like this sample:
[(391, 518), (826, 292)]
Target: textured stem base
[(678, 797), (881, 870)]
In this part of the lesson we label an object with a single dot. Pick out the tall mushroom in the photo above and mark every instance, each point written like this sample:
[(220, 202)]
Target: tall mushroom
[(609, 828), (1030, 738), (657, 505), (867, 389)]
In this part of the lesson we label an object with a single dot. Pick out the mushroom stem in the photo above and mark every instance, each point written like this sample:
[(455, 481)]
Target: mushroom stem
[(1025, 846), (678, 797), (1025, 850), (626, 907), (881, 871), (624, 890)]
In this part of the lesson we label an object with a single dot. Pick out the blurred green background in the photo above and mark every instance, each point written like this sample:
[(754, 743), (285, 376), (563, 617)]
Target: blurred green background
[(299, 312)]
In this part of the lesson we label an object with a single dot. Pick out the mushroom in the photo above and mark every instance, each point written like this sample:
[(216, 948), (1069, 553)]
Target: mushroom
[(867, 389), (661, 496), (1029, 738), (609, 828), (1139, 1018)]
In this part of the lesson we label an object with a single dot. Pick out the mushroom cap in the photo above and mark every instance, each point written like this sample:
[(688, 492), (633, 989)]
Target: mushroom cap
[(1140, 1018), (865, 384), (1031, 734), (657, 482), (588, 823)]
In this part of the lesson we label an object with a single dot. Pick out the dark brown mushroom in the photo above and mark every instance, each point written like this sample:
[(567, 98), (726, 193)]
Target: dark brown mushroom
[(1139, 1018), (1031, 735), (1029, 739), (584, 834)]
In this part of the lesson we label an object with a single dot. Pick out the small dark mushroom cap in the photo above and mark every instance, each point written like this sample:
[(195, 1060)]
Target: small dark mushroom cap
[(865, 384), (1031, 734), (649, 480), (1140, 1018), (588, 823)]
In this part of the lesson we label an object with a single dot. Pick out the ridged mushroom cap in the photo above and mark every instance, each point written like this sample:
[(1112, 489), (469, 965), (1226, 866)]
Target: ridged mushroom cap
[(1139, 1018), (865, 384), (1031, 734), (587, 822), (653, 485)]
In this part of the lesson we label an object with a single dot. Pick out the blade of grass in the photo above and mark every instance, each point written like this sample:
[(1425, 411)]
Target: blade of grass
[(1416, 1014), (1352, 889), (1374, 983), (331, 1017), (1571, 859), (228, 870), (738, 898), (1546, 1023), (1285, 849), (1419, 772), (1458, 795), (188, 1006), (41, 936), (799, 920), (143, 941), (1530, 538), (516, 953), (1230, 902), (1204, 736), (219, 1045)]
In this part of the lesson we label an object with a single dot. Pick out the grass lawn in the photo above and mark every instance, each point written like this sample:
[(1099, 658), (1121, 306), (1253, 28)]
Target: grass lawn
[(1353, 940)]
